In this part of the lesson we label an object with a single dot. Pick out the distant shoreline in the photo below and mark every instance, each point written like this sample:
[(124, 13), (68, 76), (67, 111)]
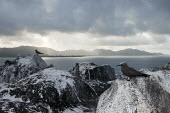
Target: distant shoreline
[(48, 52)]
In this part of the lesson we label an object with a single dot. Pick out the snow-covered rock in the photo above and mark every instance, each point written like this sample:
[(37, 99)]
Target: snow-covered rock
[(21, 67), (91, 71), (96, 76), (29, 85), (139, 95), (49, 89)]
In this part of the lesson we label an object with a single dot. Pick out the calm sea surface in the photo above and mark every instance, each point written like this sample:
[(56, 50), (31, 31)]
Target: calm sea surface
[(66, 63)]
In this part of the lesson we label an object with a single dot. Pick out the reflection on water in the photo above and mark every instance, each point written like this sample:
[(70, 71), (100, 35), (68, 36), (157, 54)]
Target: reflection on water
[(136, 62), (66, 63)]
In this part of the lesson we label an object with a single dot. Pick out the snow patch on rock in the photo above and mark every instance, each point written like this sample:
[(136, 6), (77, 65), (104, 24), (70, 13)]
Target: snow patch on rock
[(85, 65), (139, 95), (31, 61), (12, 98), (21, 67), (162, 77), (91, 71), (123, 98), (59, 78), (24, 61), (4, 93)]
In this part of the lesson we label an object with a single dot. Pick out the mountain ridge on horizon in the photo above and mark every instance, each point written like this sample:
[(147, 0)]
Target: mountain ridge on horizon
[(15, 51)]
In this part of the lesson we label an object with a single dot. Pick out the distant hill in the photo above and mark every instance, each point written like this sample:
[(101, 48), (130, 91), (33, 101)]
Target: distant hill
[(135, 52), (22, 50)]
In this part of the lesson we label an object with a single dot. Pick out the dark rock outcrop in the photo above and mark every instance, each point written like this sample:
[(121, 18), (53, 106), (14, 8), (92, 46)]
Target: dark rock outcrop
[(91, 71), (96, 76)]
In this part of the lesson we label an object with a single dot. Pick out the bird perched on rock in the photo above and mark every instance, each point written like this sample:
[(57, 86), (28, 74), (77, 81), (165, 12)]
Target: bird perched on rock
[(130, 72), (38, 52)]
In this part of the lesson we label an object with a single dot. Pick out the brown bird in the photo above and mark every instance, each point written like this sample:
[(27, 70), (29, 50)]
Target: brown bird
[(130, 72)]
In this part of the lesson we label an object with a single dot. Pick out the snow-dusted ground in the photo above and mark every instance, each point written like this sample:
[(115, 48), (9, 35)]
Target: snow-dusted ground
[(32, 78), (138, 95), (28, 81), (123, 98), (59, 78), (42, 81), (4, 87)]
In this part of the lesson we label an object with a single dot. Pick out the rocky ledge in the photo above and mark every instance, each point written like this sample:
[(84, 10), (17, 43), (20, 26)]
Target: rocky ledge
[(28, 85), (97, 77), (139, 95), (21, 67)]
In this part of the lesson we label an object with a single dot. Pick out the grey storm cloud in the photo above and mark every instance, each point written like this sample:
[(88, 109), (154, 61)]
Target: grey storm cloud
[(104, 17)]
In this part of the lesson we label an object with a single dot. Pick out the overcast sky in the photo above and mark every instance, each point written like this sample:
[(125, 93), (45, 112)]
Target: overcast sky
[(86, 24)]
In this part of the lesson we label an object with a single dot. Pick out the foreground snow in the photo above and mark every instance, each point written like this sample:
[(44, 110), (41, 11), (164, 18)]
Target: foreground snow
[(60, 79), (123, 98), (139, 95), (162, 77), (28, 85)]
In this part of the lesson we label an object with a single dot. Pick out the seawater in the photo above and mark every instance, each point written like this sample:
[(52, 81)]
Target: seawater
[(137, 62)]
